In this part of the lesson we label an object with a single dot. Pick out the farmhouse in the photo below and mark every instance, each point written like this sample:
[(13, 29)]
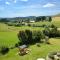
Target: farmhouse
[(32, 21)]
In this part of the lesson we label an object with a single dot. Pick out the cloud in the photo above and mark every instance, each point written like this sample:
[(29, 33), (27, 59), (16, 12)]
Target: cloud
[(24, 0), (35, 6), (15, 1), (8, 3), (49, 5)]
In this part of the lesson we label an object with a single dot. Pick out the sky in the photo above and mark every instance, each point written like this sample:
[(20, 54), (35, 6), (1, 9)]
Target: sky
[(22, 8)]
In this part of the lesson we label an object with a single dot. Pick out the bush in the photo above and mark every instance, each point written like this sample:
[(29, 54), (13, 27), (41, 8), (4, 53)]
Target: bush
[(52, 26), (25, 36), (17, 25), (29, 37), (38, 44), (22, 37), (43, 25), (36, 36), (9, 23), (52, 32), (4, 50), (29, 24), (16, 45), (46, 31)]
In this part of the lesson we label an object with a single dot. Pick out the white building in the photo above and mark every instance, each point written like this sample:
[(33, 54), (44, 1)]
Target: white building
[(32, 21)]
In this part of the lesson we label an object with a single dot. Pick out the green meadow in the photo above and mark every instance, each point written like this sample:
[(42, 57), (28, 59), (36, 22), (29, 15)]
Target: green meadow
[(8, 38)]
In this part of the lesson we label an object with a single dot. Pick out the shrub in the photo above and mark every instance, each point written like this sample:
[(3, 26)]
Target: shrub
[(4, 50), (9, 23), (38, 44), (18, 24), (52, 26), (43, 25), (29, 37), (50, 19), (46, 31), (16, 45), (29, 24), (25, 36), (37, 36), (22, 37), (52, 32)]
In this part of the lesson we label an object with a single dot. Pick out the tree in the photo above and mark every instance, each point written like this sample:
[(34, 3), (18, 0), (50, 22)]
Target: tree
[(53, 32), (46, 31), (37, 36), (29, 36), (27, 20), (4, 20), (38, 19), (50, 19), (22, 37), (43, 18), (25, 37), (52, 26)]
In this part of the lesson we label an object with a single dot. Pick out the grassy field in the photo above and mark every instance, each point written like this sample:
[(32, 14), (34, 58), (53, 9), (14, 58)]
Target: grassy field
[(41, 23), (8, 37), (36, 52), (56, 21), (6, 28)]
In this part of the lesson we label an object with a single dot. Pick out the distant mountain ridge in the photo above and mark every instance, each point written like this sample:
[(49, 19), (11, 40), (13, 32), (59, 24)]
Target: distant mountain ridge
[(57, 15)]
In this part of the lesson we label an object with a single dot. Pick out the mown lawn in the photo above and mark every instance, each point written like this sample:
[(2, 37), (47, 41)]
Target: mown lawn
[(36, 52), (8, 39)]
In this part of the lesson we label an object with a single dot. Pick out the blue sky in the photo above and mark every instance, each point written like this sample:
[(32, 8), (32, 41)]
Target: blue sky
[(16, 8)]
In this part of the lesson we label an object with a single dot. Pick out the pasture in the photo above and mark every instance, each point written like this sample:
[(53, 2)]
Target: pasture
[(56, 21), (8, 37), (36, 52)]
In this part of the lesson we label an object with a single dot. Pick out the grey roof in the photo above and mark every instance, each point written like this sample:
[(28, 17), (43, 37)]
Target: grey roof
[(23, 46)]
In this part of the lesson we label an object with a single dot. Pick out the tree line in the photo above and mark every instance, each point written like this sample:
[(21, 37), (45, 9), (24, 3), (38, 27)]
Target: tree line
[(27, 19)]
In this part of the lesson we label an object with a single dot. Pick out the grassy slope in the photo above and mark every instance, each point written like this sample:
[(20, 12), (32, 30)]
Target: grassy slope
[(8, 37), (4, 27), (41, 23), (56, 21), (8, 34), (35, 52)]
